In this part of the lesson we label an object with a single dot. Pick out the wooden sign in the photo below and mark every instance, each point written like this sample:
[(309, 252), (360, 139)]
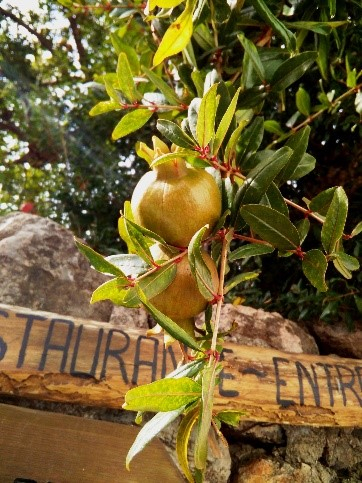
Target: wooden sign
[(59, 358), (39, 447)]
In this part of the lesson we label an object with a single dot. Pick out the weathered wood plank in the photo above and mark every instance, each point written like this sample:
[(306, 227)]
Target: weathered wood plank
[(49, 447), (54, 357)]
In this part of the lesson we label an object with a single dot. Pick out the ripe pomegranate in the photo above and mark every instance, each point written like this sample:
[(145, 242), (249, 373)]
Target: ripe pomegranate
[(175, 200)]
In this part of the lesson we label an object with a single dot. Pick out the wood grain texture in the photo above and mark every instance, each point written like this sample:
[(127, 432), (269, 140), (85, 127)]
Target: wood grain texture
[(53, 357), (56, 448)]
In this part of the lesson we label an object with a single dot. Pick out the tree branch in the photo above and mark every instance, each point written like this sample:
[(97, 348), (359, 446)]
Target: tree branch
[(44, 41), (78, 39)]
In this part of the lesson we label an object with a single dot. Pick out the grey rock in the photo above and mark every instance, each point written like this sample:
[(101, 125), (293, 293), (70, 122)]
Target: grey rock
[(41, 268), (339, 339), (265, 329)]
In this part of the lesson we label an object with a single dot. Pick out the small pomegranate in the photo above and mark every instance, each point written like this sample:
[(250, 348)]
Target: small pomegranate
[(182, 300), (175, 200)]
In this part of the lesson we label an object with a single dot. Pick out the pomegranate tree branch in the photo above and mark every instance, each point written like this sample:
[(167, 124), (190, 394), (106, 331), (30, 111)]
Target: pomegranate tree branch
[(44, 41)]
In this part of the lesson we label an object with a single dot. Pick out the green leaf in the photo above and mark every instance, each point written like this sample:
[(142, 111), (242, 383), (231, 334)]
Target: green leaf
[(175, 134), (303, 227), (272, 226), (351, 263), (111, 91), (225, 123), (273, 127), (231, 147), (125, 79), (302, 100), (139, 242), (208, 387), (131, 122), (103, 107), (251, 250), (129, 263), (250, 140), (298, 142), (168, 324), (206, 117), (199, 269), (252, 97), (166, 90), (333, 226), (252, 52), (232, 418), (275, 24), (150, 430), (332, 4), (164, 3), (275, 200), (305, 166), (146, 233), (182, 441), (131, 53), (342, 269), (314, 267), (177, 36), (115, 291), (98, 262), (357, 229), (259, 179), (164, 395), (164, 158), (241, 277), (152, 284), (322, 201), (291, 70)]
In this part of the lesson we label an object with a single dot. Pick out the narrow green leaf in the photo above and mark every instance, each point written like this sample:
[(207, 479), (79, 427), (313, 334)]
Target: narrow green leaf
[(274, 127), (305, 166), (131, 53), (153, 284), (332, 4), (322, 201), (291, 70), (260, 178), (125, 79), (232, 418), (342, 269), (177, 35), (250, 140), (251, 50), (111, 91), (98, 262), (182, 441), (252, 97), (278, 26), (129, 263), (139, 242), (162, 396), (251, 250), (225, 123), (131, 122), (275, 200), (146, 233), (333, 226), (165, 158), (150, 430), (199, 269), (351, 263), (303, 227), (115, 291), (240, 278), (357, 229), (103, 107), (314, 267), (168, 324), (272, 226), (166, 90), (206, 117), (232, 145), (298, 142), (302, 100), (208, 387), (175, 134)]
